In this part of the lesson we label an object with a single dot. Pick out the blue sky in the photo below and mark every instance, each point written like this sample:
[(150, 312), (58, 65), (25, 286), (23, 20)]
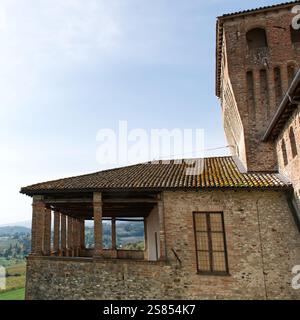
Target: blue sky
[(72, 67)]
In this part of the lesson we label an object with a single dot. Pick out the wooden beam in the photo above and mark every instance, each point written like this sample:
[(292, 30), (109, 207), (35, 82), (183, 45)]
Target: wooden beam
[(68, 201), (129, 200)]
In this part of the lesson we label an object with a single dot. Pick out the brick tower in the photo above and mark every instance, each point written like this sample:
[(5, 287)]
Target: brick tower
[(258, 53)]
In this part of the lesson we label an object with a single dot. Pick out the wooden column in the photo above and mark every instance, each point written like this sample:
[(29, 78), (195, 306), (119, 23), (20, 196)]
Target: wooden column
[(37, 227), (97, 205), (162, 236), (56, 232), (47, 232), (63, 235), (70, 237)]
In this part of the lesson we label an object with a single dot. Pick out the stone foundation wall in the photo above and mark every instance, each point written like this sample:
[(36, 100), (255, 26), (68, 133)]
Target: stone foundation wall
[(263, 246)]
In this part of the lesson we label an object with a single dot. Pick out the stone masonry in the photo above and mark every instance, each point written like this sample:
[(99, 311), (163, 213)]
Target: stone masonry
[(263, 246)]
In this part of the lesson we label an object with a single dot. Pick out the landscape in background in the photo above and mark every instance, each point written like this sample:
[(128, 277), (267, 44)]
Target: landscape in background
[(15, 242)]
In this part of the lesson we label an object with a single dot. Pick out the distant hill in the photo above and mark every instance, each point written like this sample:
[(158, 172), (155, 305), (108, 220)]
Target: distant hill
[(11, 230), (26, 223)]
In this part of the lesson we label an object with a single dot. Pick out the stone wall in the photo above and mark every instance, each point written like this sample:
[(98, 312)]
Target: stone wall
[(259, 77), (262, 240)]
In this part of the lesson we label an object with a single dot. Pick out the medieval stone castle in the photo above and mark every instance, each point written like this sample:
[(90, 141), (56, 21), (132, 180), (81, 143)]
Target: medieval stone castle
[(230, 232)]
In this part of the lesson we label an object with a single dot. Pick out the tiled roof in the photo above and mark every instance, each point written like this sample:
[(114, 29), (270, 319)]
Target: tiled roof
[(218, 172), (274, 6), (219, 32)]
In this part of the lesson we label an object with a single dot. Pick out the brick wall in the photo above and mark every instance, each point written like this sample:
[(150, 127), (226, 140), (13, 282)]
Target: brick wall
[(256, 85), (292, 169), (263, 246)]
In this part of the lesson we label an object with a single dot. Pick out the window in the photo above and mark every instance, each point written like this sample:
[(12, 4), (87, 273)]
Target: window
[(264, 93), (130, 234), (284, 154), (210, 243), (256, 38), (250, 94), (295, 35), (278, 86), (291, 70), (293, 142)]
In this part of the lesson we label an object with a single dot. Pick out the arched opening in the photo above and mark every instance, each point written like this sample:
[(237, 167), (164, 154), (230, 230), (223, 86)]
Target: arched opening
[(256, 38), (293, 142), (284, 154), (295, 35)]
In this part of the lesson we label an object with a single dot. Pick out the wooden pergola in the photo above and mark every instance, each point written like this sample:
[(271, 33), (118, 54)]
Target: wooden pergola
[(67, 213)]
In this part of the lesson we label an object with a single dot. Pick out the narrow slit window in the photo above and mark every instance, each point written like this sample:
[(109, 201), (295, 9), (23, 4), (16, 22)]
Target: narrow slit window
[(210, 243), (291, 73), (278, 85), (293, 142), (284, 154)]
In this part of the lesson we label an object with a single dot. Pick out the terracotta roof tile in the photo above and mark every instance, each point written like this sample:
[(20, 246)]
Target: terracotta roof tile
[(218, 172), (274, 6)]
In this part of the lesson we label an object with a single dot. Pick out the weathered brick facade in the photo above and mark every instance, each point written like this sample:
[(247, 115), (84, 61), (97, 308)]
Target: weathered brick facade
[(291, 169), (260, 225), (252, 80), (263, 246)]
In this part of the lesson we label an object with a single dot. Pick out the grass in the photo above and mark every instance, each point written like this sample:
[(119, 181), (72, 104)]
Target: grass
[(15, 279), (18, 294), (9, 262)]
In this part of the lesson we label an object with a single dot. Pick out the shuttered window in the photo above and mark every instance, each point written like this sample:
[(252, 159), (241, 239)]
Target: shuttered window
[(210, 243)]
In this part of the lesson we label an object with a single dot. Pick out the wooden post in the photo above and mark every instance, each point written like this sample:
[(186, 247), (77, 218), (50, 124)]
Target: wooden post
[(63, 235), (47, 232), (97, 205), (56, 232), (162, 236), (37, 228)]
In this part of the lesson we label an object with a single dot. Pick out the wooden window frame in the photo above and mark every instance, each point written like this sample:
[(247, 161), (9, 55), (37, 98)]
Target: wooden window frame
[(210, 249)]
